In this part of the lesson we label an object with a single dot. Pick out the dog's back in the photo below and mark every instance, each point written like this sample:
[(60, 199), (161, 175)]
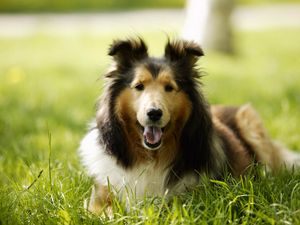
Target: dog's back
[(246, 140)]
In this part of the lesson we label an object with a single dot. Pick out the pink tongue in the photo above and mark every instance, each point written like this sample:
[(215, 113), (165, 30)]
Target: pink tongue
[(152, 134)]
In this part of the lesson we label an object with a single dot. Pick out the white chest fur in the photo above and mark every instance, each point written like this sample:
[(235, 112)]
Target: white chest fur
[(144, 179)]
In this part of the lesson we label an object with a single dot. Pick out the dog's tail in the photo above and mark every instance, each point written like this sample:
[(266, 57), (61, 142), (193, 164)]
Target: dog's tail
[(271, 153)]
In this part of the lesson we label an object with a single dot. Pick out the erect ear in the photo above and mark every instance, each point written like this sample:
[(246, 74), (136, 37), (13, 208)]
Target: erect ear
[(126, 52), (183, 51)]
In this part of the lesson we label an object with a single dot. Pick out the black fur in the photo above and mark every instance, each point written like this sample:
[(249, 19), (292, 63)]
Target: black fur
[(112, 135), (197, 134), (154, 65), (183, 52), (128, 52), (196, 138)]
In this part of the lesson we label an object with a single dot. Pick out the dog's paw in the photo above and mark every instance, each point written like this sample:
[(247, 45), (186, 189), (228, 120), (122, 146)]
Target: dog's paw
[(99, 203)]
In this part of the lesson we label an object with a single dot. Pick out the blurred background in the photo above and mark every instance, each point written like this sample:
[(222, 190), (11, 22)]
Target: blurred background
[(52, 53)]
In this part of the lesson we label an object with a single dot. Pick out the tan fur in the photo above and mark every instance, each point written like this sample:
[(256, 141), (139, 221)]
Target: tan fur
[(127, 116), (245, 138), (100, 200), (142, 75), (172, 134), (238, 157), (128, 104), (165, 77), (251, 127)]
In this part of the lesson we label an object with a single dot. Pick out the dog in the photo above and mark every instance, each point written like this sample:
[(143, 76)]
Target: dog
[(156, 134)]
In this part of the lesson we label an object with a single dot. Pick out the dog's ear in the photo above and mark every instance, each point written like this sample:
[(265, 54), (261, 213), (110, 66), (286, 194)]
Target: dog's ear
[(183, 51), (126, 52)]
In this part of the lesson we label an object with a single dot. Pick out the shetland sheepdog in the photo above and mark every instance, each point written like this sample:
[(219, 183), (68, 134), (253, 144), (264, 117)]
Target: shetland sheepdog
[(155, 132)]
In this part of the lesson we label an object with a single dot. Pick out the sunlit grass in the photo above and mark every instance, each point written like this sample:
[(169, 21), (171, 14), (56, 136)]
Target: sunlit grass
[(50, 85)]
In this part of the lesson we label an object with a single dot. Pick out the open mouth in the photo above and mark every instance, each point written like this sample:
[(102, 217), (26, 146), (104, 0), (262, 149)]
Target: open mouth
[(152, 136)]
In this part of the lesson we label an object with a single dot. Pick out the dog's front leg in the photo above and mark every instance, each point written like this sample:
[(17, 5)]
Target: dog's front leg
[(100, 201)]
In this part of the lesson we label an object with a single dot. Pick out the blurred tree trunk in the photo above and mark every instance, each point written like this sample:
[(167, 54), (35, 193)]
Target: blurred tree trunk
[(208, 22), (218, 34), (196, 19)]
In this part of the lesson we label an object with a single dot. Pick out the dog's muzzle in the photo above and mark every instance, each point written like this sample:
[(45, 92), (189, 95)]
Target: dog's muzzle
[(151, 129), (152, 133)]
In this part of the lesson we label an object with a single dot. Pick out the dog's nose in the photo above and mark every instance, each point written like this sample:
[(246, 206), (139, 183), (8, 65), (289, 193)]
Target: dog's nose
[(154, 114)]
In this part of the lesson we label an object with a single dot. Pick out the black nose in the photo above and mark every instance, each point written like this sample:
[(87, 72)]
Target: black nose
[(154, 114)]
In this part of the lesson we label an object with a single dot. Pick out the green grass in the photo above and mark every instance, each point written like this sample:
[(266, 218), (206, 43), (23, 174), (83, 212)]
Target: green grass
[(29, 6), (83, 5), (48, 89)]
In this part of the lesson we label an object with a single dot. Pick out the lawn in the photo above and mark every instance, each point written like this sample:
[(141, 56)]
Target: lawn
[(48, 90), (37, 6)]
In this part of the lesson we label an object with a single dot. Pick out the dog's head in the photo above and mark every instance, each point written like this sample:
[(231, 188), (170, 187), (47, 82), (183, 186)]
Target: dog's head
[(150, 102)]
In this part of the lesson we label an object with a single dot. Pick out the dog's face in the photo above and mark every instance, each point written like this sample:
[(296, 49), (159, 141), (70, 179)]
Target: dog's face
[(157, 103), (152, 104), (150, 100)]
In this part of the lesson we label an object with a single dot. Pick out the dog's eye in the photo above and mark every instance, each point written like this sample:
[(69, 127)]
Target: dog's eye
[(168, 88), (139, 87)]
